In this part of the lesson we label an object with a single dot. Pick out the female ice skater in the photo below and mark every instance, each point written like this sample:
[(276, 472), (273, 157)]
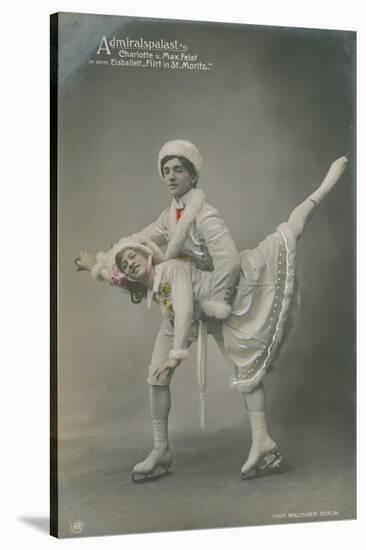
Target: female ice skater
[(249, 338)]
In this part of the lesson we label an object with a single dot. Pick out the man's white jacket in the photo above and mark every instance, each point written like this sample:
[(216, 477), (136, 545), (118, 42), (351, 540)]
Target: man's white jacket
[(201, 235)]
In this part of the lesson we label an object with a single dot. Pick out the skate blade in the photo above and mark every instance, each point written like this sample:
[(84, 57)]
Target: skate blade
[(147, 478), (270, 464)]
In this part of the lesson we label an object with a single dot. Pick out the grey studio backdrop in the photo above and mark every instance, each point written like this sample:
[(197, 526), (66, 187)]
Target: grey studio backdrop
[(277, 107)]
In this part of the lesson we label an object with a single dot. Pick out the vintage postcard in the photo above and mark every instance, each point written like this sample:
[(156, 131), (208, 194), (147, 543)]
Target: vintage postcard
[(203, 205)]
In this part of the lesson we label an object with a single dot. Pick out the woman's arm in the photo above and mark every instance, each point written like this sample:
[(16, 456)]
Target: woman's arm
[(85, 262)]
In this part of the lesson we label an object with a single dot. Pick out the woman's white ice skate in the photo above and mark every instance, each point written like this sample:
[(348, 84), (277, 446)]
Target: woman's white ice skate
[(268, 464), (157, 458)]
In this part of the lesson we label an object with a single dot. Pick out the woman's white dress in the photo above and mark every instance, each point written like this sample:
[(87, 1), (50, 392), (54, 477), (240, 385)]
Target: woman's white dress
[(261, 304)]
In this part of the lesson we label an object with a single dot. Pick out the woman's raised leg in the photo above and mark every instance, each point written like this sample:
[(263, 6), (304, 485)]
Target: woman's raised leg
[(304, 212)]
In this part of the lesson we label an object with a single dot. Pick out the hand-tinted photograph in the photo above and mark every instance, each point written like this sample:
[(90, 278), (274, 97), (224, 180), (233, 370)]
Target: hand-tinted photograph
[(203, 275)]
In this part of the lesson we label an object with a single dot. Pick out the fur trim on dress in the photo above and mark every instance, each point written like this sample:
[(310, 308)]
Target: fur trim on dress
[(218, 310), (193, 207)]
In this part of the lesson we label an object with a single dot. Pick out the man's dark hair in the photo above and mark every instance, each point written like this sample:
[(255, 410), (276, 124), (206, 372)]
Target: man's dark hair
[(186, 163)]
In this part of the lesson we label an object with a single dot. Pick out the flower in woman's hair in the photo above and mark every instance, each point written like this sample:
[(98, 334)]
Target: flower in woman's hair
[(118, 278)]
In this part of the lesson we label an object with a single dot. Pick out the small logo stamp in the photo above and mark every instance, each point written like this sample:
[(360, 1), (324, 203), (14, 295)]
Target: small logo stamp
[(76, 526)]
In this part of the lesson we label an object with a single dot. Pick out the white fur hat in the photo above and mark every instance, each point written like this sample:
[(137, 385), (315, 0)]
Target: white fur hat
[(145, 245), (181, 148), (107, 260)]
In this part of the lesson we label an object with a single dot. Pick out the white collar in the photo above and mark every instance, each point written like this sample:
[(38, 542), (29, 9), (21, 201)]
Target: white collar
[(181, 201)]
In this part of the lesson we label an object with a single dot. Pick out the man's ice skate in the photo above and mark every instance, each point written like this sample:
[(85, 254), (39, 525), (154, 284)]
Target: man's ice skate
[(159, 460), (268, 464)]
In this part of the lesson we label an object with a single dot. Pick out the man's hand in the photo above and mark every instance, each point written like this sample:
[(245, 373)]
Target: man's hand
[(167, 367)]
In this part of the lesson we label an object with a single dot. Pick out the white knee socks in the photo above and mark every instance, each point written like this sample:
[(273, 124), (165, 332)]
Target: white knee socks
[(160, 431), (333, 175), (302, 213), (258, 425)]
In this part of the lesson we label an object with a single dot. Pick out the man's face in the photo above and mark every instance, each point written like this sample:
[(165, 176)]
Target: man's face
[(177, 179), (134, 265)]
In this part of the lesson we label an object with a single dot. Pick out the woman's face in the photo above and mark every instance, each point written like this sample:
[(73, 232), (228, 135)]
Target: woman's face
[(134, 265), (176, 177)]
